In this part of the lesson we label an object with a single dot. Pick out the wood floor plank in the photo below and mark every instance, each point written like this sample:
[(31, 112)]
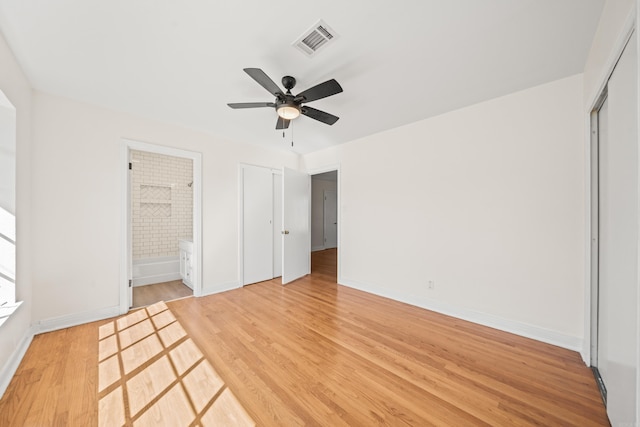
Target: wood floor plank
[(165, 291), (317, 353)]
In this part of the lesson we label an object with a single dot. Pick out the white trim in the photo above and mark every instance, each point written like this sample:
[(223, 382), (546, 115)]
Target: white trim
[(522, 329), (637, 35), (240, 224), (124, 229), (621, 41), (75, 319), (11, 366), (331, 168), (126, 146), (317, 248)]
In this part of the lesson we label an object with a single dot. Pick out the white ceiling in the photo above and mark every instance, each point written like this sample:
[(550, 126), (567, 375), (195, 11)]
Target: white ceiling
[(181, 61)]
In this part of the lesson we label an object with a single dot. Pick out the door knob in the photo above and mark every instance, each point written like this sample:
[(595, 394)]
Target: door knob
[(285, 232)]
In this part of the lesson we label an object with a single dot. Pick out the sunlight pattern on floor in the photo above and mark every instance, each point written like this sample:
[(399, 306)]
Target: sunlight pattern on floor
[(151, 373)]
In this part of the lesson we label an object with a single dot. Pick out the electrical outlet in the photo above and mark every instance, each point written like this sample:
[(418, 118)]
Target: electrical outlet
[(431, 284)]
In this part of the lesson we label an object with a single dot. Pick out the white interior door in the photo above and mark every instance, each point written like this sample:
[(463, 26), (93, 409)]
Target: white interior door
[(330, 219), (257, 237), (618, 236), (296, 218), (277, 225)]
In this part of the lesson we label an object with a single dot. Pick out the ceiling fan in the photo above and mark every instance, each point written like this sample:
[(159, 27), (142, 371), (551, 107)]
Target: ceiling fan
[(289, 106)]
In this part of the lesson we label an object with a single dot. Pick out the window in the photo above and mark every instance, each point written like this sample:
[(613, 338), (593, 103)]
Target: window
[(7, 208)]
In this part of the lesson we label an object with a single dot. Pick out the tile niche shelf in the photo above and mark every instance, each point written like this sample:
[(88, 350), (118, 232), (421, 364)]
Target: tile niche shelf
[(155, 200)]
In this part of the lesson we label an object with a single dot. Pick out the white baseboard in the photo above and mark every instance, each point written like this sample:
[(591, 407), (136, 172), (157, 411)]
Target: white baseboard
[(526, 330), (10, 368), (55, 323), (220, 287)]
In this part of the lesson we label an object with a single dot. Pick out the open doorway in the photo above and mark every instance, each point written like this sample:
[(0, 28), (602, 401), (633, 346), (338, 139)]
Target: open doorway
[(162, 224), (324, 224), (162, 227)]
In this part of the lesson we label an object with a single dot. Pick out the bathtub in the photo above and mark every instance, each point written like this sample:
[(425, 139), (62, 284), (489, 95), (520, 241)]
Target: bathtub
[(147, 271)]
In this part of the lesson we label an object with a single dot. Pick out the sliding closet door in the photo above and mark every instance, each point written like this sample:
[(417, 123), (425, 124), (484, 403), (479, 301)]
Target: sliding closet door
[(618, 235)]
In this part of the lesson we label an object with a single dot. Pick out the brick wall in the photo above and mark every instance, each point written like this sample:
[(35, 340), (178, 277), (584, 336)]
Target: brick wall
[(162, 203)]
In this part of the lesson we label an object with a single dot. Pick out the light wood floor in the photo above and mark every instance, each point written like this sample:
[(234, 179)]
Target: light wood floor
[(166, 291), (316, 353), (151, 373)]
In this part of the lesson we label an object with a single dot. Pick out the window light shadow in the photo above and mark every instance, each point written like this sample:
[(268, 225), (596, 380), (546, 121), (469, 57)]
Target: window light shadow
[(150, 373), (7, 265)]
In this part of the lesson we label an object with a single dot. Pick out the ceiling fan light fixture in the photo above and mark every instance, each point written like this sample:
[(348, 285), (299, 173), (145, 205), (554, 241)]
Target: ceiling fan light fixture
[(287, 105), (288, 111)]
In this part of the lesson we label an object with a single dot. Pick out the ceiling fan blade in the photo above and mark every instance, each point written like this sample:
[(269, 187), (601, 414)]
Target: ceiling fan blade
[(328, 88), (251, 104), (263, 80), (282, 123), (318, 115)]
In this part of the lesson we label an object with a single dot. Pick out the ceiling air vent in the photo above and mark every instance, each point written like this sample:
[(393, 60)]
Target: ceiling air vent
[(316, 38)]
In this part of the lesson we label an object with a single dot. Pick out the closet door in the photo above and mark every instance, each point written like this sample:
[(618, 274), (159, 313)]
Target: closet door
[(618, 236), (257, 237)]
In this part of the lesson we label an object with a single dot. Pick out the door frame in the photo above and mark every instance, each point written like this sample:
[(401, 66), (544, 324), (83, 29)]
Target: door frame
[(594, 240), (331, 168), (126, 251)]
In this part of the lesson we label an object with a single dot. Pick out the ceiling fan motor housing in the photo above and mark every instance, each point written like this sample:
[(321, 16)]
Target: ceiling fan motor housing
[(288, 82)]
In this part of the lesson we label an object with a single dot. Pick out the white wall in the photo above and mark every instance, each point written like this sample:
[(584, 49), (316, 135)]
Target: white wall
[(318, 186), (77, 202), (487, 201), (15, 331)]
